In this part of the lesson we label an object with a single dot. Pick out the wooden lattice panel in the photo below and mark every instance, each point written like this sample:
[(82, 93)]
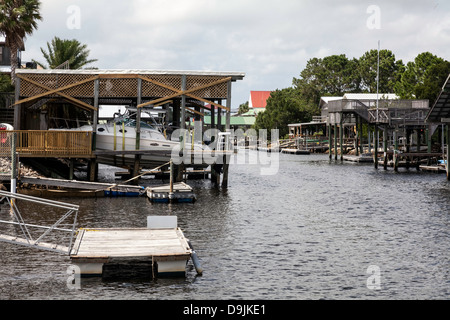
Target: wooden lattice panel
[(150, 89), (214, 91), (153, 85), (118, 88)]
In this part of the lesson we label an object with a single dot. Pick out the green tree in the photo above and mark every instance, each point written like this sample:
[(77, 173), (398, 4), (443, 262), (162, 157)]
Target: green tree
[(18, 18), (283, 107), (332, 75), (390, 71), (423, 77), (243, 108), (62, 51)]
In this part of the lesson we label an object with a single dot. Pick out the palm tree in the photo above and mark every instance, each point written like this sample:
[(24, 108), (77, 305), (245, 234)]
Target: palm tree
[(68, 53), (18, 18)]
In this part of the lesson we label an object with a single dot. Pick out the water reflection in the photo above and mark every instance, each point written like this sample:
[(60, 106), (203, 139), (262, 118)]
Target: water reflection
[(308, 232)]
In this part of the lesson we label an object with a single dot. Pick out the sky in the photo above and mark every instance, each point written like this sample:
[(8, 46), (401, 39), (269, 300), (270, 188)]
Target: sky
[(270, 41)]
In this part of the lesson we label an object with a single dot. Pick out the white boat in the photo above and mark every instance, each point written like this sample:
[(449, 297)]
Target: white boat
[(120, 134)]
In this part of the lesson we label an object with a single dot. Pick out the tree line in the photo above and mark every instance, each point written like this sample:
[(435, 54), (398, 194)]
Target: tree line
[(336, 75)]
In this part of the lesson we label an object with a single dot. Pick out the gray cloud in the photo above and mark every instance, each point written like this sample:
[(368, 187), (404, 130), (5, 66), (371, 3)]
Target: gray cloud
[(270, 41)]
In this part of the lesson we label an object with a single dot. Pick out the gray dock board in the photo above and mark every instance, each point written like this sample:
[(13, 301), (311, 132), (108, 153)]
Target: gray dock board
[(140, 242)]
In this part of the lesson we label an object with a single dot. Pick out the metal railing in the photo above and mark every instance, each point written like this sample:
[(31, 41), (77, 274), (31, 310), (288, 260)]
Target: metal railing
[(24, 237)]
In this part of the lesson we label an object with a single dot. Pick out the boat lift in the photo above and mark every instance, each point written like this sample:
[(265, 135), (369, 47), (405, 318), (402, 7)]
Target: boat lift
[(25, 237)]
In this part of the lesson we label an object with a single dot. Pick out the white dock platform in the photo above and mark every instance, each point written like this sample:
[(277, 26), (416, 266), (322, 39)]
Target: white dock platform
[(159, 251), (181, 192)]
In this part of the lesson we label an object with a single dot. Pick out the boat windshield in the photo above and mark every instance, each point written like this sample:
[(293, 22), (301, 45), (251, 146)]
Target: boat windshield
[(132, 123)]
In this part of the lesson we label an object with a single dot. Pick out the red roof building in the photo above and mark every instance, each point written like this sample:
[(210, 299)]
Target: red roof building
[(258, 99)]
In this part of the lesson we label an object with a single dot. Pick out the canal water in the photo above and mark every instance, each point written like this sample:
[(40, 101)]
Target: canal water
[(308, 228)]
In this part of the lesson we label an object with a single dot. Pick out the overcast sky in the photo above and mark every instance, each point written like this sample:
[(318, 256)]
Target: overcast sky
[(270, 41)]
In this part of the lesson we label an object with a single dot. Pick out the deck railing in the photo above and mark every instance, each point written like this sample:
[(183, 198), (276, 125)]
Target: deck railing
[(43, 143)]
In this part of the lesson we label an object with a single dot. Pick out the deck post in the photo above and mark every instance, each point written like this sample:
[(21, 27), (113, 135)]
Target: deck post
[(385, 147), (226, 159), (448, 152), (341, 136), (219, 116), (335, 140), (183, 103), (17, 108), (329, 142), (428, 135), (361, 145), (395, 157), (93, 165), (357, 135), (375, 147), (137, 157)]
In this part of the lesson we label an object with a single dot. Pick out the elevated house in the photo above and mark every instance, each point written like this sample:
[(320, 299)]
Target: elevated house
[(439, 116)]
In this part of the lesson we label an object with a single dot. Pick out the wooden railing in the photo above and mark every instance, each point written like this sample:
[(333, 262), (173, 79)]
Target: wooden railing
[(43, 143)]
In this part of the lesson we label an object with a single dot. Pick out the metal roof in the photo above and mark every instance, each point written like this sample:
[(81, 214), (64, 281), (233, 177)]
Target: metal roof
[(234, 75), (441, 108)]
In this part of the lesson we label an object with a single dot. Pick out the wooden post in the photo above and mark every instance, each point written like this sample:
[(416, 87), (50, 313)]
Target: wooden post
[(341, 136), (395, 158), (17, 108), (428, 134), (171, 177), (183, 103), (418, 138), (137, 157), (385, 147), (219, 116), (375, 147), (93, 165), (448, 152), (329, 141), (361, 146), (226, 159), (213, 117), (228, 112), (357, 137), (335, 141)]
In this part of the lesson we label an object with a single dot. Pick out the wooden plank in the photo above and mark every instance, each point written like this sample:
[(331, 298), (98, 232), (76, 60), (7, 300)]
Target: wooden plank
[(94, 243)]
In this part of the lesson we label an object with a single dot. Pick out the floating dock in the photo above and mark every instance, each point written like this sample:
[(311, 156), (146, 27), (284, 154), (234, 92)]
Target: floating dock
[(159, 250), (295, 151), (79, 188), (181, 192), (361, 158)]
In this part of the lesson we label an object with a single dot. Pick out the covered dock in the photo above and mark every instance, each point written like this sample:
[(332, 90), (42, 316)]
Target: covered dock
[(439, 115), (47, 99)]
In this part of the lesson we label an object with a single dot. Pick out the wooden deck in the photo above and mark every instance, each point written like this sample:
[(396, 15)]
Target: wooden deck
[(165, 251)]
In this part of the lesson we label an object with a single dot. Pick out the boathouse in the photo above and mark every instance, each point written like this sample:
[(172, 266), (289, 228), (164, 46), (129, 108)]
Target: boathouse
[(439, 116), (47, 99)]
